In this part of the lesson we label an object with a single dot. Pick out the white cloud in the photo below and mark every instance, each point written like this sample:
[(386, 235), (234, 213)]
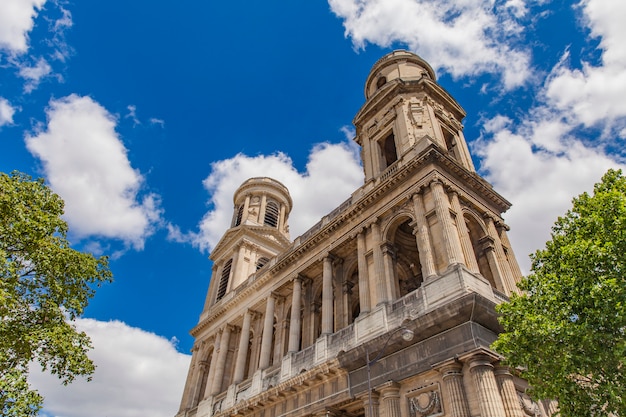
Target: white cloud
[(16, 21), (87, 164), (138, 374), (545, 160), (132, 114), (467, 37), (332, 173), (6, 112), (540, 181), (33, 75), (157, 121), (595, 93)]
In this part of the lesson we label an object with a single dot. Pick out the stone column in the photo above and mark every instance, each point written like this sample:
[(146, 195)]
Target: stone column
[(453, 381), (237, 275), (327, 296), (364, 287), (451, 244), (488, 394), (550, 407), (295, 327), (510, 400), (466, 242), (246, 207), (510, 255), (186, 401), (487, 245), (507, 275), (281, 221), (422, 234), (211, 377), (213, 288), (390, 399), (268, 332), (374, 408), (202, 368), (262, 209), (379, 267), (242, 352), (221, 362), (389, 260)]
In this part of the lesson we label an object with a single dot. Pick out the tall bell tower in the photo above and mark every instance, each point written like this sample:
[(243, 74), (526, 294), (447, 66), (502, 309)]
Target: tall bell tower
[(405, 112)]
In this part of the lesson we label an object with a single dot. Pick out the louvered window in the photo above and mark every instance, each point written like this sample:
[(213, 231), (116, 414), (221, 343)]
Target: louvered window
[(261, 262), (221, 291), (271, 214), (239, 215)]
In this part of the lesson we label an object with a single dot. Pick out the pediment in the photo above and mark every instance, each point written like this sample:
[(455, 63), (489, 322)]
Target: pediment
[(267, 237)]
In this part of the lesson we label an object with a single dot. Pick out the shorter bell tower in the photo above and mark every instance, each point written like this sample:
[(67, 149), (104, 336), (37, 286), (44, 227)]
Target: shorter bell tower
[(259, 231)]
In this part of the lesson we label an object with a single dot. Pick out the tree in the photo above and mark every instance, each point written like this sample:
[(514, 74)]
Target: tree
[(566, 332), (44, 286)]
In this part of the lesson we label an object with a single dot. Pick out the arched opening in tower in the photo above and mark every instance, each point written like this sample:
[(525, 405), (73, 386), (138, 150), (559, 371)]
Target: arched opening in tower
[(408, 269)]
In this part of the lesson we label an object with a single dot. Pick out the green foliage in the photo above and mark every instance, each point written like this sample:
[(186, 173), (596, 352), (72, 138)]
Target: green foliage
[(44, 286), (567, 331)]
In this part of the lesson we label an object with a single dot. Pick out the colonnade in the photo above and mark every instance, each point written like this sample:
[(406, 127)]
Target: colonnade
[(495, 390), (493, 383), (438, 249)]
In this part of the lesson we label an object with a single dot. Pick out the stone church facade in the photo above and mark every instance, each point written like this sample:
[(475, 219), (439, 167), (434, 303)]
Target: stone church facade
[(386, 307)]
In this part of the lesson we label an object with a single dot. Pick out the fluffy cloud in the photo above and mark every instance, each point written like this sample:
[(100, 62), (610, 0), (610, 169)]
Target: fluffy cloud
[(547, 158), (6, 112), (138, 374), (33, 75), (87, 164), (539, 177), (595, 93), (16, 21), (464, 38), (332, 173)]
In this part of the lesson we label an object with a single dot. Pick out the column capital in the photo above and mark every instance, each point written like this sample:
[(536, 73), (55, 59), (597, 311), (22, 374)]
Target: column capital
[(480, 360), (388, 388)]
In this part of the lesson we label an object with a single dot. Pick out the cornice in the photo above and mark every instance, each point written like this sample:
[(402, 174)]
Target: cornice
[(352, 209)]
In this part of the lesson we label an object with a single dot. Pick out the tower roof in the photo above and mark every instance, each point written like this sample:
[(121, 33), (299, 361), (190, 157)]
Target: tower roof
[(399, 64), (264, 185)]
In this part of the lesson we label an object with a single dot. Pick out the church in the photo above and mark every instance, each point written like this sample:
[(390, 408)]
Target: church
[(386, 306)]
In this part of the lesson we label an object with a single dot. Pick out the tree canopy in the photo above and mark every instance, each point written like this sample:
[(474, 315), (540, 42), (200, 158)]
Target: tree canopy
[(566, 332), (44, 286)]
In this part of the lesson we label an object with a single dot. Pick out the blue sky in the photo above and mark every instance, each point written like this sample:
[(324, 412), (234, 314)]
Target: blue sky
[(146, 116)]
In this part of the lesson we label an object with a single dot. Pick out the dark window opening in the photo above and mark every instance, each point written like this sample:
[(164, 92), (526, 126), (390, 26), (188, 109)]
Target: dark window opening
[(389, 150), (380, 82), (451, 142), (221, 291), (271, 214), (239, 215), (261, 262)]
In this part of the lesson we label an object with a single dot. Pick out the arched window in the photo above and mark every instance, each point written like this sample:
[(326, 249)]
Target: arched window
[(388, 147), (239, 215), (221, 290), (271, 214), (261, 262), (380, 82)]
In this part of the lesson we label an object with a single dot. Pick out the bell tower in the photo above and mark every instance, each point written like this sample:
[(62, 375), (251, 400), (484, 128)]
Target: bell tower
[(406, 111), (259, 231)]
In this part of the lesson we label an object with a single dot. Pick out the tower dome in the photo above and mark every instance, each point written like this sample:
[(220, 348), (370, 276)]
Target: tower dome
[(262, 201), (397, 64)]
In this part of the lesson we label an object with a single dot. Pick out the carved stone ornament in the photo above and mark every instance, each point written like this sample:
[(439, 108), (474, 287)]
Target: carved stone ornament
[(427, 403), (530, 407)]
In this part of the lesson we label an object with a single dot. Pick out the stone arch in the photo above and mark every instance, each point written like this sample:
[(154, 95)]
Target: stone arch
[(406, 266), (351, 302), (477, 231), (206, 357)]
